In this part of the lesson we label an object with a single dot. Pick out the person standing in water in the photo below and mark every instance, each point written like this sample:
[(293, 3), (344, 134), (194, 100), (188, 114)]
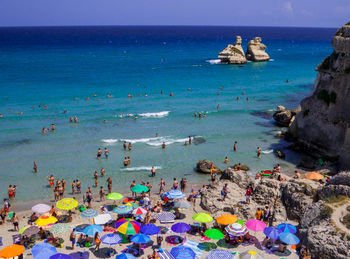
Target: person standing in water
[(96, 179), (235, 146), (73, 187), (102, 194), (35, 167), (258, 152), (163, 145), (102, 172), (162, 186), (75, 119), (99, 153), (189, 140), (226, 160), (153, 171), (130, 147), (106, 152), (133, 194), (218, 107), (124, 145), (109, 184)]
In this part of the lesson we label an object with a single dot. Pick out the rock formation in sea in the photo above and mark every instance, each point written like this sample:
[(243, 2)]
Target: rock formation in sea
[(284, 117), (204, 166), (233, 54), (322, 127), (256, 51)]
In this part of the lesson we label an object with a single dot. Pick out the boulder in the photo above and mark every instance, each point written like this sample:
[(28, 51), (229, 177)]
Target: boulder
[(282, 116), (241, 178), (243, 167), (338, 185), (280, 154), (204, 166), (256, 51), (308, 162), (233, 54)]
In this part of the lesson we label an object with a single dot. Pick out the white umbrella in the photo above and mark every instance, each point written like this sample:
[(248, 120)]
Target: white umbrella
[(41, 208), (102, 219)]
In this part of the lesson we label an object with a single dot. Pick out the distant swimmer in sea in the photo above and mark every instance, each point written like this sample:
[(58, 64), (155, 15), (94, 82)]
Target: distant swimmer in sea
[(75, 98), (171, 94), (199, 115), (53, 127), (1, 115), (136, 117), (65, 111), (124, 145), (204, 115), (287, 81), (157, 135), (146, 94), (243, 93), (35, 167), (188, 89), (161, 92), (94, 95), (75, 119), (185, 144), (218, 107), (237, 98), (99, 153), (71, 119), (189, 140), (43, 130), (163, 145), (87, 98), (226, 160), (96, 178), (130, 95), (102, 172), (195, 114), (235, 146), (247, 98), (221, 87), (109, 96), (106, 152), (129, 146), (20, 113), (153, 171), (217, 93), (258, 152)]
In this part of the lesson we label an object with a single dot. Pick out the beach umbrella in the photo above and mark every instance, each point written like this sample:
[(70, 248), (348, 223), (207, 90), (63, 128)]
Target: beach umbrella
[(241, 222), (60, 256), (289, 238), (314, 176), (80, 228), (286, 227), (92, 230), (114, 196), (111, 239), (41, 208), (251, 255), (214, 234), (139, 211), (149, 229), (43, 251), (132, 204), (164, 216), (226, 219), (182, 204), (175, 194), (123, 209), (45, 220), (80, 255), (140, 239), (219, 253), (272, 232), (67, 204), (202, 218), (180, 227), (102, 219), (12, 251), (127, 226), (236, 229), (59, 228), (125, 256), (182, 252), (89, 213), (29, 230), (140, 188), (127, 200), (255, 225)]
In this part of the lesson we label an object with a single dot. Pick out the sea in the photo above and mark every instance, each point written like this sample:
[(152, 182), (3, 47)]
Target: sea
[(48, 73)]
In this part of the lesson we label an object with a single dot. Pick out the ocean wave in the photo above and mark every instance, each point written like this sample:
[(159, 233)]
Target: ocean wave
[(125, 115), (267, 151), (213, 61), (155, 114), (271, 59), (158, 141), (110, 141), (141, 168)]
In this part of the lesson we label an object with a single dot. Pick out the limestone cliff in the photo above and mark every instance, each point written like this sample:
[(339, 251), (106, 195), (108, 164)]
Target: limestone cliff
[(323, 125), (233, 54), (256, 51)]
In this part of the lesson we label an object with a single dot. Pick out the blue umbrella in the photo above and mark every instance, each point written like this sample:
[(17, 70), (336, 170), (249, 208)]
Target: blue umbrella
[(43, 251), (92, 229), (272, 232), (80, 255), (219, 253), (60, 256), (175, 194), (285, 227), (111, 239), (149, 229), (123, 209), (180, 227), (182, 252), (89, 213), (289, 238), (140, 239), (125, 256)]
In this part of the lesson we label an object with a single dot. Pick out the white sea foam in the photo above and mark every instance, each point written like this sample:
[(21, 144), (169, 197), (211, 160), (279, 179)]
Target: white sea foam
[(141, 168), (156, 141), (267, 151), (213, 61), (110, 141), (140, 140), (271, 59), (155, 114)]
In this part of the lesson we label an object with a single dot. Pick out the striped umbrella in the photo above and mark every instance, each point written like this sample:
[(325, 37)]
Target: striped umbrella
[(175, 194), (182, 252), (67, 204), (127, 226), (219, 253), (89, 213), (111, 239), (140, 239), (59, 228), (164, 216), (180, 227), (285, 227), (102, 219), (125, 256), (41, 208), (236, 229), (123, 209), (149, 229), (92, 230), (29, 230), (139, 211), (164, 254)]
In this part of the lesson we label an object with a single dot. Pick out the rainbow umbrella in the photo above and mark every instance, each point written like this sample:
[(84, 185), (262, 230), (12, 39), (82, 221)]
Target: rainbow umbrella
[(226, 219), (236, 229), (140, 188), (285, 227), (41, 208), (139, 211), (140, 239), (127, 226), (43, 251), (67, 204), (289, 238), (45, 220), (255, 225), (114, 196), (180, 227), (214, 234), (202, 218), (12, 251), (182, 252)]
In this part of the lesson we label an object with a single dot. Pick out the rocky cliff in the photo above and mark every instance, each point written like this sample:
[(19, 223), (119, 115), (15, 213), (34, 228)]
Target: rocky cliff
[(233, 54), (256, 51), (323, 125)]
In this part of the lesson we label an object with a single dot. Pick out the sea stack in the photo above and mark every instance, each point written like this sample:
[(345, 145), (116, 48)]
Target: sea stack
[(233, 54), (256, 51), (323, 125)]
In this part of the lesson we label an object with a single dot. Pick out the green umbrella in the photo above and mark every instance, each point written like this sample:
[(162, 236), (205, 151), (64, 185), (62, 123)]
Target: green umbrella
[(114, 196), (140, 188), (241, 222), (59, 228), (214, 234), (202, 218)]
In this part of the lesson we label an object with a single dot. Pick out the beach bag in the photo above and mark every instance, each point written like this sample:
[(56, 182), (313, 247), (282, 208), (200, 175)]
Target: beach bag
[(81, 208)]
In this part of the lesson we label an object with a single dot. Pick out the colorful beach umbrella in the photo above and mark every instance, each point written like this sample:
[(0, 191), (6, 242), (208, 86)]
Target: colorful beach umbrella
[(60, 256), (214, 234), (12, 251), (314, 176), (140, 239), (45, 220), (29, 230), (272, 232), (132, 204), (255, 225), (114, 196), (139, 211), (123, 209), (140, 188), (236, 229), (251, 255), (149, 229), (289, 238), (226, 219), (202, 218), (127, 226), (59, 228), (92, 230), (180, 227), (43, 251), (67, 204), (80, 228), (219, 253), (164, 216), (182, 204), (41, 208), (102, 219), (175, 194), (125, 256), (111, 239), (89, 213), (286, 227), (182, 252)]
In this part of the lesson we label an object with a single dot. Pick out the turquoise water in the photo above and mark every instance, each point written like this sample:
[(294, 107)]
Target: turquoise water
[(53, 66)]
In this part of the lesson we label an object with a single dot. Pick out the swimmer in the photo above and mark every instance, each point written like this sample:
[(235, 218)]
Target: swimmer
[(243, 93), (136, 117), (96, 178), (296, 175), (163, 145), (204, 115), (258, 152), (161, 92), (75, 119), (20, 113), (189, 140), (171, 94), (235, 146), (47, 130), (94, 95), (146, 95), (45, 107), (65, 111), (87, 98), (217, 93), (140, 94), (185, 143), (75, 98), (124, 145), (221, 87), (106, 153), (188, 89), (247, 98), (125, 161), (129, 146), (195, 114), (157, 135), (237, 98), (71, 119), (43, 130), (35, 167), (199, 115), (1, 116), (153, 171), (218, 107), (129, 160), (226, 160), (53, 127), (102, 172), (99, 153)]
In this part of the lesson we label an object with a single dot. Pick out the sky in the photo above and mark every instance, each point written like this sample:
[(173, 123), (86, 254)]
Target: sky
[(300, 13)]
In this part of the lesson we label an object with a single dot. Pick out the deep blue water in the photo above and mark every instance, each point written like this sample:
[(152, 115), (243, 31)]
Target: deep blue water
[(54, 65)]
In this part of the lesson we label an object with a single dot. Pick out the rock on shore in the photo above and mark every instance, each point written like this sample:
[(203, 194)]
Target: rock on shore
[(233, 54), (284, 117), (256, 51), (204, 166)]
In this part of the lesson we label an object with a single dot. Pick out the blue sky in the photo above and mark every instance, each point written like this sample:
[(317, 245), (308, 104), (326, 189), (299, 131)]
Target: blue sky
[(304, 13)]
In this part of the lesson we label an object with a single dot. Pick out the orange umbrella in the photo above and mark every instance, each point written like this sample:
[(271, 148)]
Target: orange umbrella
[(12, 251), (226, 219), (314, 176)]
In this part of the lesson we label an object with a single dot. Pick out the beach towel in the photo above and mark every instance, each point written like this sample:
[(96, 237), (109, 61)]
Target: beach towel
[(164, 254), (197, 248)]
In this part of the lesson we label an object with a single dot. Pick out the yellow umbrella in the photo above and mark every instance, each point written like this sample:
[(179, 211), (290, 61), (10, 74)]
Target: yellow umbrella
[(45, 220), (12, 251), (314, 176), (67, 204), (226, 219)]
